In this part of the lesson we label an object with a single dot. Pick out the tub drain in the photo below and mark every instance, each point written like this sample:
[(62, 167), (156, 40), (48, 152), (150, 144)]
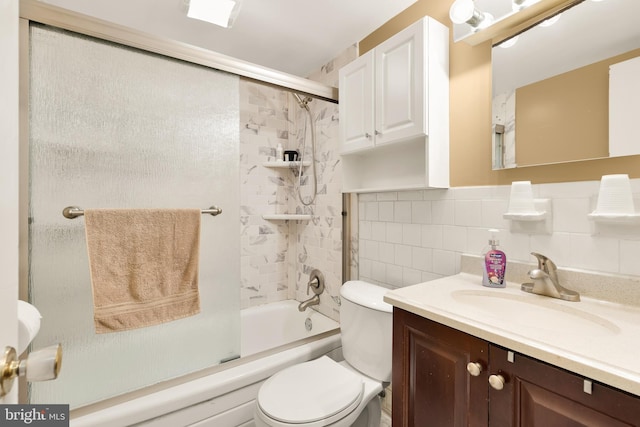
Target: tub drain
[(308, 324)]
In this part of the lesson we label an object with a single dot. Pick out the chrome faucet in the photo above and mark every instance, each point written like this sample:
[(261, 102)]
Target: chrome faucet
[(545, 281), (316, 281)]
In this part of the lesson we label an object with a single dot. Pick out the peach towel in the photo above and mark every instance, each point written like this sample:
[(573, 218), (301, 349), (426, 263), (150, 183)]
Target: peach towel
[(144, 266)]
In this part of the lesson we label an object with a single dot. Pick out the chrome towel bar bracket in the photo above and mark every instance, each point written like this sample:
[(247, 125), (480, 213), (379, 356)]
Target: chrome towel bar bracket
[(72, 212)]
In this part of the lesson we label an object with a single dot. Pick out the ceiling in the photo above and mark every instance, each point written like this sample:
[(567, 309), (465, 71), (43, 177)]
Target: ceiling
[(293, 36)]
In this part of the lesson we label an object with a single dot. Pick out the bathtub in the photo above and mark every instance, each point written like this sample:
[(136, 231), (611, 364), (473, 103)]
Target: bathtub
[(274, 336)]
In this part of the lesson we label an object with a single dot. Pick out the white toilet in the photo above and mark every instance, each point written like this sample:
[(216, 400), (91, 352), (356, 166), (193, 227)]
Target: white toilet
[(324, 392)]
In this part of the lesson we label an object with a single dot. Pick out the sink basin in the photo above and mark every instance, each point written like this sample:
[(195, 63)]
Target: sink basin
[(536, 312)]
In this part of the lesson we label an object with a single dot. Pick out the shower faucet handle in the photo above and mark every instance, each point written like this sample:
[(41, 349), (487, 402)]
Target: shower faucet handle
[(316, 281)]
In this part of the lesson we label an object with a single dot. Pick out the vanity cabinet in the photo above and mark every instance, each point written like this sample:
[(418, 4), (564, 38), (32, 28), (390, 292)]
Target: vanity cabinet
[(430, 383), (539, 394), (441, 378), (394, 112)]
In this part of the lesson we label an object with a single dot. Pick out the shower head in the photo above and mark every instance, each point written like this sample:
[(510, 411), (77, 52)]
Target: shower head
[(302, 102)]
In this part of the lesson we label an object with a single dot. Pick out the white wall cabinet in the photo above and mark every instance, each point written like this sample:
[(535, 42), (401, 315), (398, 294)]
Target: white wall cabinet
[(394, 112)]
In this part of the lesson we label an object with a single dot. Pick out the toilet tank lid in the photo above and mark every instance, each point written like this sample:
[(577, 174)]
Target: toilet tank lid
[(366, 294)]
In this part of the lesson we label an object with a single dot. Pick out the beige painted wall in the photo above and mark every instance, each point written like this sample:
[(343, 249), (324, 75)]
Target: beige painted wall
[(470, 115), (566, 117), (563, 118)]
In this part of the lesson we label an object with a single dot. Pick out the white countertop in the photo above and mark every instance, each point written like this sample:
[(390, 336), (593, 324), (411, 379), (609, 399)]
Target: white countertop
[(596, 339)]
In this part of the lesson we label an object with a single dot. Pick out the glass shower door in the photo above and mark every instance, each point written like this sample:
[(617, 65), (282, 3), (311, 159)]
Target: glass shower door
[(116, 127)]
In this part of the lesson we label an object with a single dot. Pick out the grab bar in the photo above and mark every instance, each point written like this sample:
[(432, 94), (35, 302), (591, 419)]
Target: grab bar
[(72, 212)]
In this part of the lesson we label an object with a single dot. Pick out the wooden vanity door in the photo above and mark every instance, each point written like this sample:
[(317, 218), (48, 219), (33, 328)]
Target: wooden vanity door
[(540, 395), (431, 386)]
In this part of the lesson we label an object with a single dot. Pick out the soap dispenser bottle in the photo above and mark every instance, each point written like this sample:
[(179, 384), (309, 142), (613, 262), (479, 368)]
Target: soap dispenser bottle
[(494, 264)]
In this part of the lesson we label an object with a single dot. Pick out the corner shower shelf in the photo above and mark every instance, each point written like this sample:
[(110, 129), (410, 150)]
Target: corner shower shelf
[(287, 217), (276, 164)]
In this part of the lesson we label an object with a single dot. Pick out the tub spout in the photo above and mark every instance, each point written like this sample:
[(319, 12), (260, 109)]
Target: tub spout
[(314, 300)]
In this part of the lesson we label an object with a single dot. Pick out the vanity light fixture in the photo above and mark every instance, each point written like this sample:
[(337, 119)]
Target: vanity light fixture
[(522, 4), (509, 42), (219, 12), (465, 11), (549, 22)]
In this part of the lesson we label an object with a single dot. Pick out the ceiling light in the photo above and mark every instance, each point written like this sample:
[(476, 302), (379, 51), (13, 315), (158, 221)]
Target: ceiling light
[(218, 12), (465, 11)]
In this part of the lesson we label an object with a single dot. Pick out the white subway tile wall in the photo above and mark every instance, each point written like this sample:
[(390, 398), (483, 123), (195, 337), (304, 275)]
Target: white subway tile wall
[(415, 236)]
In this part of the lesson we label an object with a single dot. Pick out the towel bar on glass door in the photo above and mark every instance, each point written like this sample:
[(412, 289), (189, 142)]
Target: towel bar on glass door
[(72, 212)]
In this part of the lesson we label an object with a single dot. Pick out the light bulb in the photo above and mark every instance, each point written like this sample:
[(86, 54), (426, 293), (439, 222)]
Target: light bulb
[(461, 11), (508, 43)]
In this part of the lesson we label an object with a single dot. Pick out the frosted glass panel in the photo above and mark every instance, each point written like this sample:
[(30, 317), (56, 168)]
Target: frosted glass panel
[(114, 127)]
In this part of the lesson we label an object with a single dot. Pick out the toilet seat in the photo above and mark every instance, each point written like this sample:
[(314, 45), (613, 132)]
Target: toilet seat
[(320, 391)]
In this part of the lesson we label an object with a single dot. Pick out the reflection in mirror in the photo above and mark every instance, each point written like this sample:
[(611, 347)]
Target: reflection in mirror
[(569, 91)]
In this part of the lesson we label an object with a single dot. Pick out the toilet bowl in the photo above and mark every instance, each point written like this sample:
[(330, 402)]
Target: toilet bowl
[(318, 393), (324, 392)]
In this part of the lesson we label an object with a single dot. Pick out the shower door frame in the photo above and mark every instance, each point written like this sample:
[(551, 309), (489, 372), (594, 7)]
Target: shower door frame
[(36, 11)]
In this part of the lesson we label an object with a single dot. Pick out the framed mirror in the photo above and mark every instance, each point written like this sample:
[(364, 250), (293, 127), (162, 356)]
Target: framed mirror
[(569, 91)]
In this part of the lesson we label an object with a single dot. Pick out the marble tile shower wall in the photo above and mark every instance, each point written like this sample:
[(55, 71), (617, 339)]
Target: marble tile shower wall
[(277, 256), (411, 237), (319, 242), (264, 123)]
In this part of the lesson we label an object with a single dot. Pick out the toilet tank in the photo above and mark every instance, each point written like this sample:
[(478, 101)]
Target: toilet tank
[(366, 327)]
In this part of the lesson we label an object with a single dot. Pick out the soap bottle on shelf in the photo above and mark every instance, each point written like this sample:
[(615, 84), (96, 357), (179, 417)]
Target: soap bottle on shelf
[(494, 264), (279, 153)]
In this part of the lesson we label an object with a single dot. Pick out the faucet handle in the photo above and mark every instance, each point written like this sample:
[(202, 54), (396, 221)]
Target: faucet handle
[(541, 258), (312, 282), (316, 280), (544, 263)]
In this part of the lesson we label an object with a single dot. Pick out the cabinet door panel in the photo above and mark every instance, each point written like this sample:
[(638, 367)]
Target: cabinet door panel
[(540, 395), (356, 104), (542, 407), (431, 385), (400, 90)]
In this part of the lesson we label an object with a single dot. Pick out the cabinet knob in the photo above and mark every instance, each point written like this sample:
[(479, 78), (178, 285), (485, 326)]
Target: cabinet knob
[(367, 135), (497, 381), (474, 368), (378, 132)]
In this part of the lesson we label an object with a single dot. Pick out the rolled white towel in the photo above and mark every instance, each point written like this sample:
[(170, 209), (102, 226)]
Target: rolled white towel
[(28, 324)]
